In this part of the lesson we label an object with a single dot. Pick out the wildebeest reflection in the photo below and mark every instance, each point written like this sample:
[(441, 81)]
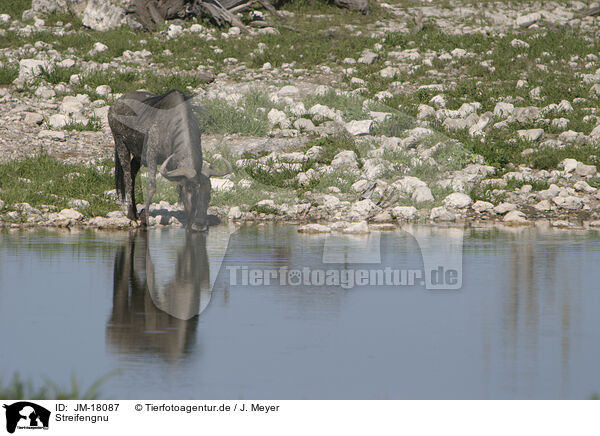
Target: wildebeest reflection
[(158, 319)]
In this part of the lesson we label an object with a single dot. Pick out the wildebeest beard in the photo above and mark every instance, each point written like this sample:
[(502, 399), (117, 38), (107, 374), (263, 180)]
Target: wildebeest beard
[(155, 130)]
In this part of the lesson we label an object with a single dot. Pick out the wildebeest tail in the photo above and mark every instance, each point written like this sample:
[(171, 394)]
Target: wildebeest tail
[(119, 177)]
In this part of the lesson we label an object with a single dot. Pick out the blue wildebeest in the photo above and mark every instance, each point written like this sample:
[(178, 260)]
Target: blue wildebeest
[(154, 130)]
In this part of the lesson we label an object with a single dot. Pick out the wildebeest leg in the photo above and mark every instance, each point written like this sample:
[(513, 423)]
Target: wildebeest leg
[(151, 161), (151, 189), (135, 167), (122, 153)]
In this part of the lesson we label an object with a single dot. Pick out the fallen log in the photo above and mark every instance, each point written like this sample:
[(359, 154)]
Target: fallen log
[(154, 13), (358, 5)]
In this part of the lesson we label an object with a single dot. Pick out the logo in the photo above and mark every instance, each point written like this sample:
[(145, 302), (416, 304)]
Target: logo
[(26, 415)]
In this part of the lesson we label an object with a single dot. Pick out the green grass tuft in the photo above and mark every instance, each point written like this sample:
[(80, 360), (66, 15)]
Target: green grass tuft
[(44, 180), (19, 389), (333, 145), (8, 73)]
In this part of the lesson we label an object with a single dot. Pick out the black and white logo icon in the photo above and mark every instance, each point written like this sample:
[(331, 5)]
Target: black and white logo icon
[(26, 415)]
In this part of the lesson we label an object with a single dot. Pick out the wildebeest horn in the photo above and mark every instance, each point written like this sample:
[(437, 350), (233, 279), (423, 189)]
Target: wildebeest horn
[(163, 167), (208, 171), (188, 173)]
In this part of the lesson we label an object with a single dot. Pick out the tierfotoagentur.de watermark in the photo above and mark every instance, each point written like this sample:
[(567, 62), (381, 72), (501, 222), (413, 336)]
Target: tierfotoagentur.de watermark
[(344, 278)]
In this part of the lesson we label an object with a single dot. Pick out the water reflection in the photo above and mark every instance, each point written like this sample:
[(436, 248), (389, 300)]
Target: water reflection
[(524, 325), (543, 276), (154, 311)]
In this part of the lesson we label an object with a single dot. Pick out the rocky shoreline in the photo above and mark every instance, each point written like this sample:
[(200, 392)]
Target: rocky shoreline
[(407, 128)]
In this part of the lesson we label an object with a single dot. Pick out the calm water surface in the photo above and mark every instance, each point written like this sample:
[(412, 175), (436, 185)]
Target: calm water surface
[(524, 324)]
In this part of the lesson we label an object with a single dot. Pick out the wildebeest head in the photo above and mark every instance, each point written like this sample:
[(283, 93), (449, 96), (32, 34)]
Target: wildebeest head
[(194, 191)]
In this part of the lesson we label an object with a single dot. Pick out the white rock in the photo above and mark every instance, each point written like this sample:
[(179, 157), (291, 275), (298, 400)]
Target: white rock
[(595, 90), (34, 119), (528, 20), (526, 114), (368, 57), (549, 193), (98, 47), (404, 212), (79, 203), (4, 18), (71, 105), (481, 206), (467, 109), (325, 112), (288, 91), (422, 194), (531, 134), (360, 185), (503, 110), (235, 213), (389, 72), (267, 202), (75, 79), (383, 95), (569, 165), (29, 69), (277, 117), (304, 124), (584, 170), (441, 214), (58, 121), (477, 128), (101, 15), (455, 124), (331, 201), (515, 217), (569, 202), (503, 208), (409, 184), (66, 63), (425, 111), (458, 200), (70, 214), (50, 134), (364, 208), (223, 185), (360, 227), (361, 128), (517, 43), (543, 206), (373, 169), (380, 116), (583, 186), (314, 228), (560, 123), (344, 159), (303, 179), (298, 109), (565, 106), (438, 100), (174, 30), (103, 90), (313, 152), (45, 93), (595, 133), (102, 114)]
